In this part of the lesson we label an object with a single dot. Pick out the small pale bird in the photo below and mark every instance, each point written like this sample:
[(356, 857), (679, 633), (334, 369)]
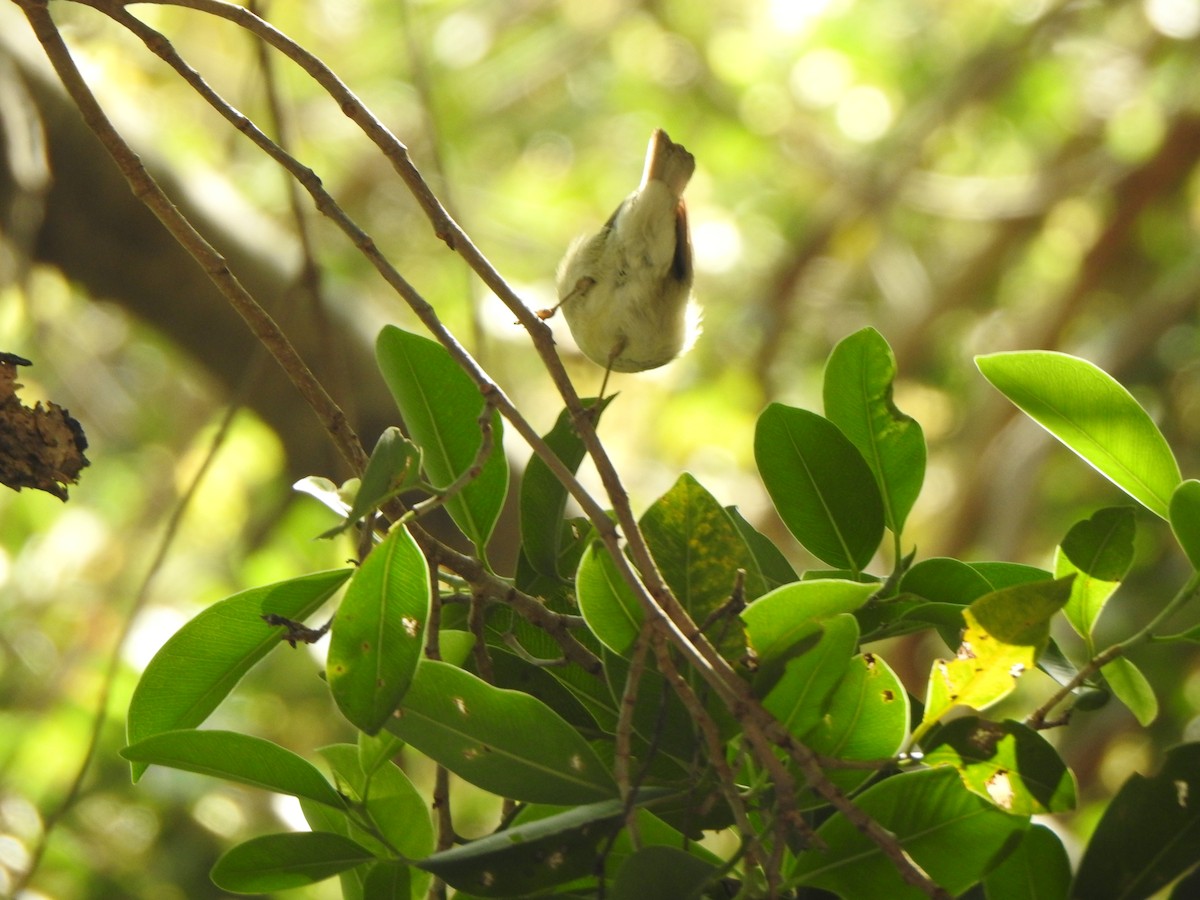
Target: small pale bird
[(626, 291)]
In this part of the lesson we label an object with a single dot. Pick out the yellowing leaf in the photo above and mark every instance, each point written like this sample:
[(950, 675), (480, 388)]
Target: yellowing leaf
[(1006, 631)]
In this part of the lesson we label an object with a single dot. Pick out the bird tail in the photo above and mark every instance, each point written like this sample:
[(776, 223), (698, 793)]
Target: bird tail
[(668, 162)]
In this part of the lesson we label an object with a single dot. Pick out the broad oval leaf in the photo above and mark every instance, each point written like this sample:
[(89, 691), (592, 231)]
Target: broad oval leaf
[(1005, 762), (941, 579), (798, 698), (1037, 869), (276, 862), (780, 620), (1185, 519), (858, 400), (200, 664), (949, 832), (820, 484), (505, 742), (1123, 861), (1132, 688), (699, 551), (1006, 632), (236, 757), (612, 612), (441, 407), (1098, 551), (866, 717), (376, 638), (1089, 411)]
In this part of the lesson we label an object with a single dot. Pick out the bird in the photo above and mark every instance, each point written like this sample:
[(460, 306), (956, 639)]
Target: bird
[(626, 291)]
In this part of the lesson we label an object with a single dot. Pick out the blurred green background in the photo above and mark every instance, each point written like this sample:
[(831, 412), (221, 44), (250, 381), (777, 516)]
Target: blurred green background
[(964, 177)]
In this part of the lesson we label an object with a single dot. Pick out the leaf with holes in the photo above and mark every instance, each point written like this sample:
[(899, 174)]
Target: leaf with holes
[(376, 637), (505, 742)]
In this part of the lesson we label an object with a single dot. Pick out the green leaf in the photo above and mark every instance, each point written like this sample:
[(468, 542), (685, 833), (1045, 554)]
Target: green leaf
[(236, 757), (1005, 762), (276, 862), (1006, 574), (1132, 689), (503, 741), (528, 857), (820, 484), (858, 399), (543, 497), (1149, 834), (376, 637), (774, 566), (393, 805), (1185, 519), (797, 699), (607, 603), (1037, 869), (947, 831), (200, 664), (1006, 631), (1098, 551), (786, 616), (661, 873), (441, 407), (388, 881), (866, 717), (1086, 409), (941, 579), (394, 466), (699, 551)]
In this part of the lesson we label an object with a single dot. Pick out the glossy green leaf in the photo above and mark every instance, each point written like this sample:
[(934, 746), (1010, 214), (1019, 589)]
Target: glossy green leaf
[(608, 605), (661, 873), (858, 399), (866, 717), (1007, 574), (941, 579), (375, 750), (531, 856), (1006, 631), (699, 551), (772, 564), (1037, 869), (441, 407), (798, 698), (503, 741), (1093, 415), (200, 664), (388, 881), (1149, 834), (949, 832), (279, 861), (378, 634), (394, 807), (543, 497), (236, 757), (821, 486), (1098, 551), (786, 616), (1132, 688), (394, 466), (1185, 519), (1005, 762)]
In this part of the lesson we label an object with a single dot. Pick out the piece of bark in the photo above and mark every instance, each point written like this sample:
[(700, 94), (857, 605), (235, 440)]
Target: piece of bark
[(40, 447)]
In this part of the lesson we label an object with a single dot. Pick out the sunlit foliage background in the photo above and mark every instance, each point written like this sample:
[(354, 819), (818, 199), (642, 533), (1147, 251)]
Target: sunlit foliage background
[(965, 177)]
